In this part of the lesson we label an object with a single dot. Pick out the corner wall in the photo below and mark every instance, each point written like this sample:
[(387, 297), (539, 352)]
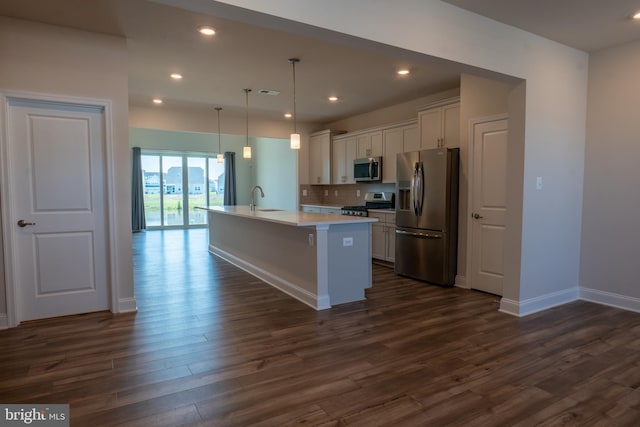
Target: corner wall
[(611, 202)]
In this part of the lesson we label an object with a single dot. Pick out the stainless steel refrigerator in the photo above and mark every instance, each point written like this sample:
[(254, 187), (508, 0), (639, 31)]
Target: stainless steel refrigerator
[(427, 215)]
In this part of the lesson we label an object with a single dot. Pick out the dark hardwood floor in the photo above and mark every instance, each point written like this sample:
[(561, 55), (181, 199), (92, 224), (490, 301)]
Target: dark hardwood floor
[(213, 346)]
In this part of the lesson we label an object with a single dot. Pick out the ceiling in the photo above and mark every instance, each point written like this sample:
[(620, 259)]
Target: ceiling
[(588, 25), (163, 39)]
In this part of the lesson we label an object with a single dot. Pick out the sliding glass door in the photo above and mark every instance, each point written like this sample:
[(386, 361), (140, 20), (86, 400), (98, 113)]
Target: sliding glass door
[(175, 184)]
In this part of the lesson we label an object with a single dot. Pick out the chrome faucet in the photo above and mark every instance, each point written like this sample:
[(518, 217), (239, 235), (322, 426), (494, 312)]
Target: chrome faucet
[(252, 206)]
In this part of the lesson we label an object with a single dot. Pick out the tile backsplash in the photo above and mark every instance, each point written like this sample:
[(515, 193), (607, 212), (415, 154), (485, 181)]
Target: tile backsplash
[(339, 195)]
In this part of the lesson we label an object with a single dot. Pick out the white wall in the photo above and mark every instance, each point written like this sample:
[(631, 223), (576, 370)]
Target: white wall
[(276, 171), (479, 97), (610, 231), (231, 123), (52, 60), (554, 137), (389, 115)]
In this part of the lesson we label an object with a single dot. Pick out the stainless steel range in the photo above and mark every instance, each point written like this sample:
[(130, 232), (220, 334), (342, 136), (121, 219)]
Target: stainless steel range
[(373, 200)]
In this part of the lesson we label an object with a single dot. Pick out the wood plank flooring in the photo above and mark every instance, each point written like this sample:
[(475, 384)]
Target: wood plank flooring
[(213, 346)]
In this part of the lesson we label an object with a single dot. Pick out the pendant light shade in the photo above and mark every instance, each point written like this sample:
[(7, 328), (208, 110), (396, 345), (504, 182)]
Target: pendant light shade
[(246, 152), (219, 157), (295, 136), (295, 141)]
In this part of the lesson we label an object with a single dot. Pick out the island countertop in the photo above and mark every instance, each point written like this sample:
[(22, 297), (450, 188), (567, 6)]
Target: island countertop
[(292, 218)]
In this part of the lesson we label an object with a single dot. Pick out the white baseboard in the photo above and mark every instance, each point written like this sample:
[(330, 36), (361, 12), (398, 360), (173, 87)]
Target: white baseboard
[(4, 321), (127, 305), (461, 282), (319, 302), (543, 302), (610, 299)]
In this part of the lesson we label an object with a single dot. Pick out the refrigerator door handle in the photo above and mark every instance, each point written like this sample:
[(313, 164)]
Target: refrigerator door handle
[(413, 193), (420, 188), (421, 235)]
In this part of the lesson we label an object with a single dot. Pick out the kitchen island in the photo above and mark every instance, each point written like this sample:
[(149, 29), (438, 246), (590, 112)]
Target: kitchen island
[(320, 259)]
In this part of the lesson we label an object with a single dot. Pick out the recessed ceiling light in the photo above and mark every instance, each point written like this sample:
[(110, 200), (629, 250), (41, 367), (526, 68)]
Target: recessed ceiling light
[(157, 101), (333, 98), (176, 76), (206, 30), (404, 72), (288, 115), (636, 16)]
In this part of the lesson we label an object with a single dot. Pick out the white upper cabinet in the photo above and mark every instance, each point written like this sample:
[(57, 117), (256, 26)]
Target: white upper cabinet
[(369, 144), (440, 126), (344, 152), (320, 158), (397, 140)]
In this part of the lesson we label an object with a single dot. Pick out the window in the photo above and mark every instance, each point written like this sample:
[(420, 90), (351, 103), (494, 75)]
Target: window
[(171, 196)]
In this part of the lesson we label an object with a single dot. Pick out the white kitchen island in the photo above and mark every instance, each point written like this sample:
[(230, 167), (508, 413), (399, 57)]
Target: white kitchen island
[(320, 259)]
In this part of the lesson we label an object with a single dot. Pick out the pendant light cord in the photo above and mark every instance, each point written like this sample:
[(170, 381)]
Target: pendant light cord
[(295, 129), (219, 145), (246, 91)]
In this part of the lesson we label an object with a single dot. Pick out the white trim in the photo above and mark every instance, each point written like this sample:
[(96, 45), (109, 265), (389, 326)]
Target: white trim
[(542, 302), (609, 298), (461, 282), (13, 305), (339, 136), (471, 132), (320, 302), (4, 321), (440, 103), (127, 305)]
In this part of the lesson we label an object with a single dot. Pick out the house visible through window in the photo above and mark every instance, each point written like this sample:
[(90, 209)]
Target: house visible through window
[(171, 195)]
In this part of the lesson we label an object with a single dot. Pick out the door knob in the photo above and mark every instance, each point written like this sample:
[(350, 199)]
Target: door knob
[(23, 223), (476, 216)]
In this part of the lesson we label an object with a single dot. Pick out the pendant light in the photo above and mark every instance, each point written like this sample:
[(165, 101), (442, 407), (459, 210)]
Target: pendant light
[(246, 152), (219, 157), (295, 136)]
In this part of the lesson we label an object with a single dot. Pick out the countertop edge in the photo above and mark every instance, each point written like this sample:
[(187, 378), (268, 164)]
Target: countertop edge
[(291, 218)]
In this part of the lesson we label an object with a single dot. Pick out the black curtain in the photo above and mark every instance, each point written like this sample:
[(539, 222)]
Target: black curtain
[(138, 222), (229, 178)]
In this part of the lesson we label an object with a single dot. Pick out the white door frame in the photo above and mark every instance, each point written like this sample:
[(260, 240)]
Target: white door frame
[(13, 312), (472, 125)]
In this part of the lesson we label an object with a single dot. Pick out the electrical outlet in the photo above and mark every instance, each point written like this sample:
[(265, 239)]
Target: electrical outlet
[(335, 193), (304, 193), (347, 241), (310, 239), (357, 193), (539, 183), (326, 192)]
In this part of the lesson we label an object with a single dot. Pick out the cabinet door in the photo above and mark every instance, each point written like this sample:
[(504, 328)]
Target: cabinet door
[(430, 122), (319, 160), (392, 145), (364, 146), (369, 145), (451, 125), (410, 138), (339, 173), (391, 243), (378, 241), (349, 157)]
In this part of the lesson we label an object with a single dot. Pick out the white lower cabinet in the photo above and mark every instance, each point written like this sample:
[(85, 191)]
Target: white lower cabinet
[(383, 236)]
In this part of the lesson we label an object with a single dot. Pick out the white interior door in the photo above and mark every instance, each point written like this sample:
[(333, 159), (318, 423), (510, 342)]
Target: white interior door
[(56, 171), (488, 207)]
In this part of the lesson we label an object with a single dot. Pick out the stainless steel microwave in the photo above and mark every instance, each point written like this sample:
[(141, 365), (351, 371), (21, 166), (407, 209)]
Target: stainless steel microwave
[(368, 169)]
